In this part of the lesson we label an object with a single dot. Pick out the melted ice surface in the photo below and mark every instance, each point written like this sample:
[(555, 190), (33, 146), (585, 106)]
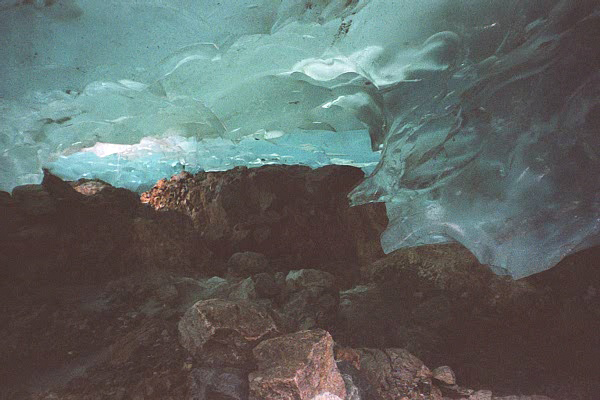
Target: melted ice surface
[(477, 121)]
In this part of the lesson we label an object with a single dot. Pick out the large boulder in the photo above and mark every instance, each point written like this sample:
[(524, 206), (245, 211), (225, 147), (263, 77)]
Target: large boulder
[(298, 366), (222, 332), (288, 212), (34, 200)]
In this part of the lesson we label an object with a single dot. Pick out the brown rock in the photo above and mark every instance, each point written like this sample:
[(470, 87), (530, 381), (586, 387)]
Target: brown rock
[(34, 200), (296, 366), (396, 374), (445, 375), (348, 355), (223, 332), (90, 187), (312, 300), (288, 212)]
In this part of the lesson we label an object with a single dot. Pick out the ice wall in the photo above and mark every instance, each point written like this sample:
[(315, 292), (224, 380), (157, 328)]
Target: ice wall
[(483, 114)]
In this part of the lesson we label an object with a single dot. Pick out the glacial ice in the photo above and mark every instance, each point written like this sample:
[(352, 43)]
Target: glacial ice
[(476, 121)]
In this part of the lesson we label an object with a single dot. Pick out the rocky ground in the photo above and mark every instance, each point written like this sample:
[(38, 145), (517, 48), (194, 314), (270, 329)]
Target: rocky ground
[(263, 284)]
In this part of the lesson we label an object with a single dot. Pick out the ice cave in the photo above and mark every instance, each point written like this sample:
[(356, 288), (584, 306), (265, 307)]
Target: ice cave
[(475, 122)]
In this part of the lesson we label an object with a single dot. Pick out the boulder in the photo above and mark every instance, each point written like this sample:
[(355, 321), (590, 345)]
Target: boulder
[(396, 374), (266, 286), (34, 200), (285, 212), (296, 366), (222, 332), (312, 299)]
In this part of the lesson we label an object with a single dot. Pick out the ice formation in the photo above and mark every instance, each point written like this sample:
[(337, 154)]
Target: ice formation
[(482, 116)]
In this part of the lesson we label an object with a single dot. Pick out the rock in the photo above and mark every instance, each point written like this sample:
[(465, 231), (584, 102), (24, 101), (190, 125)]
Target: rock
[(296, 366), (363, 319), (247, 263), (243, 290), (434, 312), (58, 189), (223, 332), (309, 278), (481, 395), (312, 299), (289, 212), (90, 187), (211, 383), (534, 397), (396, 374), (352, 390), (266, 286), (448, 267), (327, 396), (34, 200), (445, 375), (166, 241)]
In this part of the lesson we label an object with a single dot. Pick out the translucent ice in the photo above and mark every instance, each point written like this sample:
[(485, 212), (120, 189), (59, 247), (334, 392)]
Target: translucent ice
[(482, 115)]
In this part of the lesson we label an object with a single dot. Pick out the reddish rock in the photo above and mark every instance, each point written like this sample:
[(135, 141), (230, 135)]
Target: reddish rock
[(224, 332), (90, 187), (297, 366)]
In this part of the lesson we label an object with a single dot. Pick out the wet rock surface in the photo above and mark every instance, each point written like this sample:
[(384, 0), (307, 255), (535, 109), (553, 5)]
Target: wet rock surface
[(102, 297)]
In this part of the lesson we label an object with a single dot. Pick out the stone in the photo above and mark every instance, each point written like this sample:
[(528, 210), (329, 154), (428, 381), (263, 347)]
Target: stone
[(247, 263), (296, 366), (243, 290), (211, 383), (445, 375), (309, 278), (34, 200), (90, 187), (327, 396), (396, 374), (221, 332), (312, 299), (481, 395), (534, 397), (288, 212), (266, 286)]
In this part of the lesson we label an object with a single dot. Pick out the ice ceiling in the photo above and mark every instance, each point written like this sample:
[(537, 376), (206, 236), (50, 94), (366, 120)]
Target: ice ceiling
[(477, 120)]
